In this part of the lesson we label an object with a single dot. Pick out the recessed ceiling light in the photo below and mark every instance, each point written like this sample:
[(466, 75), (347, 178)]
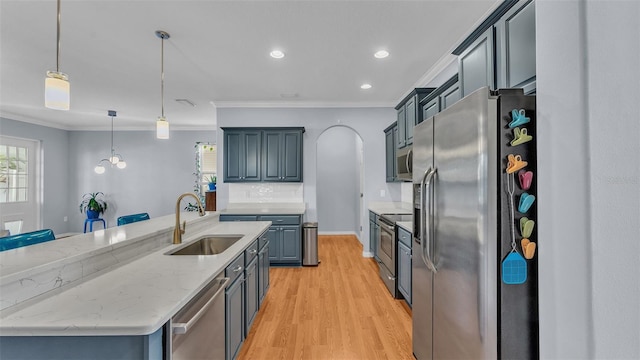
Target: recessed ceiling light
[(365, 86), (276, 54), (381, 54)]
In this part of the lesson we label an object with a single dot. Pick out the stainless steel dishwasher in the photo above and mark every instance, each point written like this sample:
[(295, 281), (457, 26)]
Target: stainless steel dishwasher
[(198, 328)]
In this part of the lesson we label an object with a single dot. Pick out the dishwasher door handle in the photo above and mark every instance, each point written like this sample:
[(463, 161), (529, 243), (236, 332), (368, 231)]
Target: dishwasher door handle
[(183, 327)]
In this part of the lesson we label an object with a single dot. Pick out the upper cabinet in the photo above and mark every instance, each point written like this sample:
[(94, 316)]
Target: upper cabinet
[(516, 44), (242, 152), (409, 115), (390, 136), (501, 52), (282, 155), (441, 98), (475, 65), (263, 154)]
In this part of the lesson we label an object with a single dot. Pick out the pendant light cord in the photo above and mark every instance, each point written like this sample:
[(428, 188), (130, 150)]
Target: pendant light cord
[(112, 149), (58, 45), (162, 73)]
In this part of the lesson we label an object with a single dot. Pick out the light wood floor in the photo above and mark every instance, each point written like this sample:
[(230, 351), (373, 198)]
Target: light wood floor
[(338, 310)]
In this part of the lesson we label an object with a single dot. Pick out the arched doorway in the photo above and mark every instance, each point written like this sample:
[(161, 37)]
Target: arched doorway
[(339, 181)]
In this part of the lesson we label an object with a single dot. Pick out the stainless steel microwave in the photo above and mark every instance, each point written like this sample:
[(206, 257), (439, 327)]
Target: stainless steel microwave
[(404, 163)]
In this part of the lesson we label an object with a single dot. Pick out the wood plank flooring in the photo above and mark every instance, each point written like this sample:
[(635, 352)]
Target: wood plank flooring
[(338, 310)]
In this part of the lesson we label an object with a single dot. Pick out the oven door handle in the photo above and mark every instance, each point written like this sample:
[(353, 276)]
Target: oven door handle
[(183, 327)]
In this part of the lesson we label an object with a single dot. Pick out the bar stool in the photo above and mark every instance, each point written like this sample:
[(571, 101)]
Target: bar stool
[(91, 221)]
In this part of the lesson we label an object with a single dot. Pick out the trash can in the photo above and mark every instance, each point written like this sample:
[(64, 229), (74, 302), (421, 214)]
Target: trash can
[(310, 244)]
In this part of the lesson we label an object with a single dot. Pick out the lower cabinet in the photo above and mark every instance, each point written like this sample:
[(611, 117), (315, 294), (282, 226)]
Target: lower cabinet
[(404, 271), (374, 234), (251, 293), (284, 236), (263, 272), (234, 317)]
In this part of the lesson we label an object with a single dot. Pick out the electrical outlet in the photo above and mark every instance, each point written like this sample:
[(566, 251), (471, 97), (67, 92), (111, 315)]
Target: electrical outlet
[(383, 193), (65, 219)]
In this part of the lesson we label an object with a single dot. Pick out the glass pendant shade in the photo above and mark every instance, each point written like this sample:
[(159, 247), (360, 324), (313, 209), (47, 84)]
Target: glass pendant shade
[(162, 128), (57, 91), (121, 165), (99, 169), (114, 159)]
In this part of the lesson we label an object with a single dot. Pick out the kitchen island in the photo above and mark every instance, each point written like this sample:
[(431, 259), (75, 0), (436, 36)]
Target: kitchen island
[(105, 308)]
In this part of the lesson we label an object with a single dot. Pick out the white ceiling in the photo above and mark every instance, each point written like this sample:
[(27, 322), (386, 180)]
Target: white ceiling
[(218, 54)]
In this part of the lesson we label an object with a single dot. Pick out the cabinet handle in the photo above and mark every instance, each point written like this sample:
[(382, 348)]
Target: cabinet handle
[(238, 269), (391, 277), (253, 251)]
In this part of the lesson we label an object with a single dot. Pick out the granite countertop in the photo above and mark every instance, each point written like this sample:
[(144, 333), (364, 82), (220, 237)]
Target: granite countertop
[(407, 225), (391, 207), (264, 209), (136, 298)]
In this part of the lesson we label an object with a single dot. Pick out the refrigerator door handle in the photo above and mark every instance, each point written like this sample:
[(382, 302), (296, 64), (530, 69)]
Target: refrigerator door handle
[(429, 229), (422, 219)]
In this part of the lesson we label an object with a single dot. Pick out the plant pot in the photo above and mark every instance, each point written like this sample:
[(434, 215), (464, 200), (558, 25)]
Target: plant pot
[(91, 214), (212, 186)]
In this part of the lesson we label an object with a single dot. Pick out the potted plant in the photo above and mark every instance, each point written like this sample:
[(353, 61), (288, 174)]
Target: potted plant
[(92, 205), (212, 182)]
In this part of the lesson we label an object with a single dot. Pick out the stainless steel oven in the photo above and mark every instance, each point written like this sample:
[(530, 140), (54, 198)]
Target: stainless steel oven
[(387, 249)]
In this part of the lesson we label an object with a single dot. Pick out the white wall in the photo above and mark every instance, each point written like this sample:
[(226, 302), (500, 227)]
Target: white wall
[(589, 175), (56, 175), (369, 123), (338, 181), (157, 171)]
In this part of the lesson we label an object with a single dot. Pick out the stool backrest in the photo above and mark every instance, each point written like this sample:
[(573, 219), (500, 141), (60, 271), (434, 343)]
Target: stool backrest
[(128, 219), (26, 239)]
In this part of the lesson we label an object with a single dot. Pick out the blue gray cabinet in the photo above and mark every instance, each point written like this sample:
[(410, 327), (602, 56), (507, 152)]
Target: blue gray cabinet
[(404, 271), (242, 155), (409, 116), (284, 236), (390, 135), (374, 234), (441, 98), (263, 271), (235, 308), (516, 48), (282, 155), (476, 64), (251, 293), (263, 154)]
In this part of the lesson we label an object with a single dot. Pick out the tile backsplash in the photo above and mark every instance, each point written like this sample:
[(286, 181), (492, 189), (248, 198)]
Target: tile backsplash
[(266, 193)]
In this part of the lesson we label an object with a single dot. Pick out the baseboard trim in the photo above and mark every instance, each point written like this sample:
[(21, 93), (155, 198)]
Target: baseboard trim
[(367, 254)]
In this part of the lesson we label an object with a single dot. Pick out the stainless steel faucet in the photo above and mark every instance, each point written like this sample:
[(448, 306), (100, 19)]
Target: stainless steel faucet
[(178, 231)]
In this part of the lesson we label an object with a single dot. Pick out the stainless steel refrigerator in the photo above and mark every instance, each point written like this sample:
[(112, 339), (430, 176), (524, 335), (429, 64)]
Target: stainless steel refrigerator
[(464, 228)]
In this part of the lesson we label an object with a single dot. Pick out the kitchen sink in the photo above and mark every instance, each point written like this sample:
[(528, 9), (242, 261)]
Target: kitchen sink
[(208, 245)]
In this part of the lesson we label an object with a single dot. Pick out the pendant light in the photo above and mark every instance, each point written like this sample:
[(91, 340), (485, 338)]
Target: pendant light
[(56, 85), (162, 125), (115, 159)]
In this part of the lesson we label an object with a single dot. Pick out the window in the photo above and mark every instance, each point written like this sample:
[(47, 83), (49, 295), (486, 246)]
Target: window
[(14, 174), (206, 165), (20, 187)]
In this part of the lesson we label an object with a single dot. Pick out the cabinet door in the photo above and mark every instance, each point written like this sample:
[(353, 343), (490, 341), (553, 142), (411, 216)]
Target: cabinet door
[(411, 119), (431, 108), (251, 294), (390, 155), (263, 273), (252, 152), (290, 244), (404, 271), (476, 64), (516, 48), (372, 237), (291, 156), (450, 96), (402, 140), (273, 234), (271, 156), (233, 152), (234, 307)]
